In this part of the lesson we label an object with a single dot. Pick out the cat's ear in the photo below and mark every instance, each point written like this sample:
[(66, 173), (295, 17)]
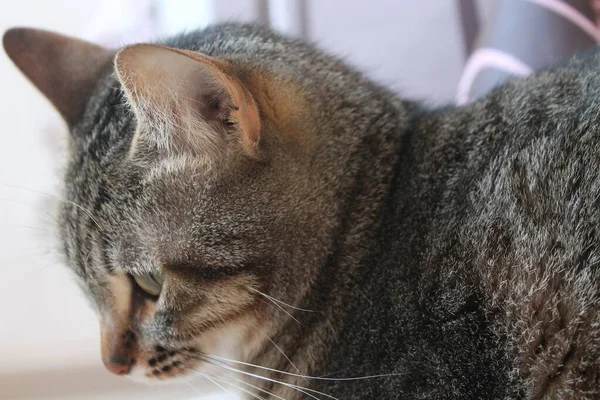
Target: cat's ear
[(186, 97), (63, 68)]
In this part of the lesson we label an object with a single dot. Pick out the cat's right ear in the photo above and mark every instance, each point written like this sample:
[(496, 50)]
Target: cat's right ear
[(63, 68)]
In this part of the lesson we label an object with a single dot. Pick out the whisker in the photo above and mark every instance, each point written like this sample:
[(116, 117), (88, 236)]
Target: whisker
[(320, 378), (333, 373), (277, 347), (282, 302), (237, 387), (285, 311), (216, 383), (26, 226), (228, 368), (86, 211), (6, 199), (192, 386), (257, 387)]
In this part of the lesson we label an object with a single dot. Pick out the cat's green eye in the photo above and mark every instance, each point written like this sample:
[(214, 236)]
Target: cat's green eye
[(150, 283)]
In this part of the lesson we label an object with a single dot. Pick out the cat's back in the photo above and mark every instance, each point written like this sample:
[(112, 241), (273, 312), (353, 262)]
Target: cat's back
[(526, 214)]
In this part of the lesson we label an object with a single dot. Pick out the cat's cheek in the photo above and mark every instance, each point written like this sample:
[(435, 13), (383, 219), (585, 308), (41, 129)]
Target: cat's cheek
[(239, 340)]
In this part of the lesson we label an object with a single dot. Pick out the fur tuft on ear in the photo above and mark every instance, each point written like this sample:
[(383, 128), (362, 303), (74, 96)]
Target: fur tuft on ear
[(64, 69), (186, 100)]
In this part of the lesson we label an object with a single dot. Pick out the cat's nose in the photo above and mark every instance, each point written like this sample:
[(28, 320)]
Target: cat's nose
[(118, 365), (118, 350)]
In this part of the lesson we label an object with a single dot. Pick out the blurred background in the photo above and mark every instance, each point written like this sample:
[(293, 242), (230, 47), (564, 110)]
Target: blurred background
[(436, 51)]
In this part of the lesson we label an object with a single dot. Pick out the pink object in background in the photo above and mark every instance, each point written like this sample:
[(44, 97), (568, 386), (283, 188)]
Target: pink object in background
[(526, 36), (596, 8)]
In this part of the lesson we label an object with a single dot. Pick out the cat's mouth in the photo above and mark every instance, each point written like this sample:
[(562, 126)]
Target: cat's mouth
[(168, 363), (208, 353), (158, 363)]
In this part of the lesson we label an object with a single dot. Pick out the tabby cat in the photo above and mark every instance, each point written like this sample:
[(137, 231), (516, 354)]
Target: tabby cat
[(242, 206)]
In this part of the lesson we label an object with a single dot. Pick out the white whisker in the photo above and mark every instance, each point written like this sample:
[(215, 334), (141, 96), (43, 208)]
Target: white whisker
[(296, 387), (87, 212), (192, 386), (34, 206), (24, 226), (87, 257), (216, 383), (257, 387), (320, 378), (281, 302), (277, 347), (284, 310), (237, 387)]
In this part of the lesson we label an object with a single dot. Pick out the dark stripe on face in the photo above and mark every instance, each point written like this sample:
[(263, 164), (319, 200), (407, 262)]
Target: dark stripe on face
[(137, 301), (104, 244), (102, 196), (212, 274), (78, 230)]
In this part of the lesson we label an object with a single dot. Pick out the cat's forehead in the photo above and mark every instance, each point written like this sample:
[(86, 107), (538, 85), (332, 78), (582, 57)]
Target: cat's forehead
[(152, 202), (168, 210)]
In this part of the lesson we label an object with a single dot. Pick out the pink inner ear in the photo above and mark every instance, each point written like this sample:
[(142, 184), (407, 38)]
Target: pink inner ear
[(182, 85), (64, 69), (167, 79)]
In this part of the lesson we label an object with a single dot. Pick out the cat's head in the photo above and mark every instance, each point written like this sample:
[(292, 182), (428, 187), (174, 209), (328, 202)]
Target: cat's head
[(205, 182), (196, 201)]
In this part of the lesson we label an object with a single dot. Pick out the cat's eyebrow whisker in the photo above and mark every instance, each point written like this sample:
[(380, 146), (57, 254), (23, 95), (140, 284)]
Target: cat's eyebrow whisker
[(86, 211), (301, 389), (281, 302)]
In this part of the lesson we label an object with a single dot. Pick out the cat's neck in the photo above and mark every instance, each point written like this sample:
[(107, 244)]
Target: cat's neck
[(377, 257), (342, 284)]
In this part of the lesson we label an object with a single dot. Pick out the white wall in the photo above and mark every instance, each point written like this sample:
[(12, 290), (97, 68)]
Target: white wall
[(413, 47)]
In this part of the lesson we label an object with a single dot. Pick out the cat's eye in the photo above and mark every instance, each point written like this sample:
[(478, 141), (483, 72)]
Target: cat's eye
[(150, 283)]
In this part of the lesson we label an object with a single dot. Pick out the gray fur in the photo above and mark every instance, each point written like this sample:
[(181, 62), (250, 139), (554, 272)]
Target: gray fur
[(456, 249)]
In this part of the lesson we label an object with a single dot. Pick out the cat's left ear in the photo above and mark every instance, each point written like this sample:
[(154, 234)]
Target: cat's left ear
[(65, 69), (184, 97)]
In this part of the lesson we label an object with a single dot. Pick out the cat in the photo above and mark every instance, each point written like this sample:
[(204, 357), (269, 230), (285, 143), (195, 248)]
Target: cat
[(243, 206)]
